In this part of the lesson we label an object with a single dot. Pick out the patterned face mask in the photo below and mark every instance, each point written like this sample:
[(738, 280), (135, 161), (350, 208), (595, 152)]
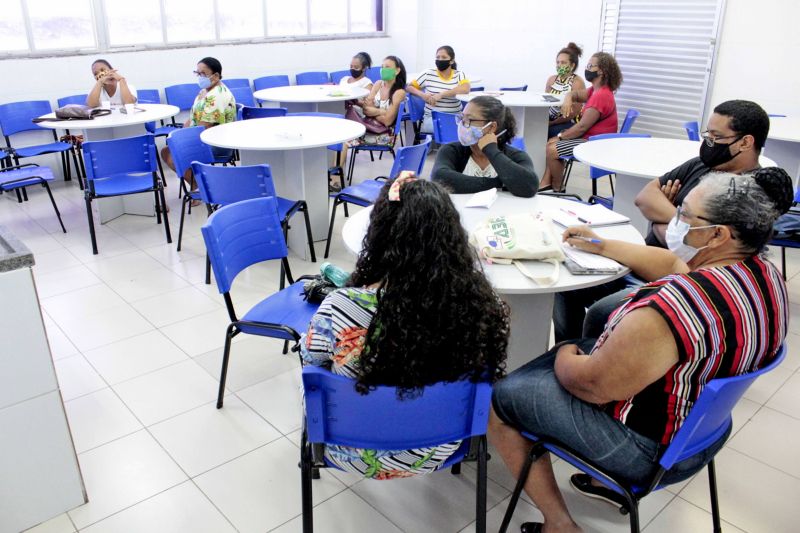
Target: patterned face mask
[(563, 70), (468, 136)]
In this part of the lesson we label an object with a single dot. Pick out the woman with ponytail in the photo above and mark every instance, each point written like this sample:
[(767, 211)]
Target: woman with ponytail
[(563, 81), (483, 158)]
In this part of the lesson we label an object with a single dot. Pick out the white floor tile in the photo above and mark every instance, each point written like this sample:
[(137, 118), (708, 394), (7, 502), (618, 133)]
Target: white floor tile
[(181, 509), (167, 392), (792, 361), (122, 473), (787, 399), (98, 418), (123, 266), (59, 524), (261, 490), (76, 377), (146, 284), (64, 280), (278, 400), (60, 345), (524, 512), (54, 261), (343, 512), (175, 306), (765, 386), (200, 334), (206, 437), (780, 453), (104, 327), (681, 515), (133, 357), (81, 302)]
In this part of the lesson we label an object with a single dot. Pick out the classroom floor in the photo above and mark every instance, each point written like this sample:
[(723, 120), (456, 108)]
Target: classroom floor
[(137, 341)]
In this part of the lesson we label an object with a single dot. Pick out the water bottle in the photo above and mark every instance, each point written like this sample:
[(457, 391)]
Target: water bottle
[(334, 274)]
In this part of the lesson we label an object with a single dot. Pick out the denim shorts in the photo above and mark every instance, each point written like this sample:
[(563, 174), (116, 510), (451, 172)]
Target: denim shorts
[(532, 399)]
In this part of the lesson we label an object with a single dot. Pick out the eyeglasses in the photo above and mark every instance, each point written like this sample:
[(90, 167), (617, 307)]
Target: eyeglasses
[(467, 122), (201, 74), (683, 215), (711, 140), (589, 66)]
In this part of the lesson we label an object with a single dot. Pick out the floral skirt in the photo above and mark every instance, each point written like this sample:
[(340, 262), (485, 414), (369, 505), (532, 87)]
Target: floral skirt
[(389, 464)]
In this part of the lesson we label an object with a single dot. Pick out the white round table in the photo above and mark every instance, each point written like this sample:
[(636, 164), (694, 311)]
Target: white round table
[(783, 144), (531, 304), (116, 126), (316, 98), (637, 161), (295, 149), (533, 116)]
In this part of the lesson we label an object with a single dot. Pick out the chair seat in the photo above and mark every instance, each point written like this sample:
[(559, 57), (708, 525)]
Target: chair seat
[(373, 147), (285, 206), (286, 307), (39, 149), (29, 175), (363, 194), (160, 131), (122, 184), (336, 147)]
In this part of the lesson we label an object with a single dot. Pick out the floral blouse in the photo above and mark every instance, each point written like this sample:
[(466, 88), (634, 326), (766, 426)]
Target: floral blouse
[(215, 106), (336, 339)]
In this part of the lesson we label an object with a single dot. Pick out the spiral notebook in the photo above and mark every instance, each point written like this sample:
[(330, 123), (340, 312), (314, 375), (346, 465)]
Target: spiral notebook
[(595, 215), (589, 263)]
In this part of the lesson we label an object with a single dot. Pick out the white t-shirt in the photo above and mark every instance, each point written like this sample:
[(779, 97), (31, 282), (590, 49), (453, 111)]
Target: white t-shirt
[(116, 100), (431, 81), (364, 82), (473, 169)]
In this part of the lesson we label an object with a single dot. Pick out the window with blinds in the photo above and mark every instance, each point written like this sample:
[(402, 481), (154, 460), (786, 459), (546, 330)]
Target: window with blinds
[(666, 50)]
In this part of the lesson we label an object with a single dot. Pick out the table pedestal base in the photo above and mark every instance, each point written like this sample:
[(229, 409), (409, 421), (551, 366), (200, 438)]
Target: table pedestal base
[(531, 316), (533, 122), (315, 107), (626, 188)]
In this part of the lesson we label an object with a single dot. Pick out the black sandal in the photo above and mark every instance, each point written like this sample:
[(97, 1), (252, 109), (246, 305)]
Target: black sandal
[(531, 527)]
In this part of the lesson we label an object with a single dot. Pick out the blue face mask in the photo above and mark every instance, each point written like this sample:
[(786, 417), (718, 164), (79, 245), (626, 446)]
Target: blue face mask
[(203, 82)]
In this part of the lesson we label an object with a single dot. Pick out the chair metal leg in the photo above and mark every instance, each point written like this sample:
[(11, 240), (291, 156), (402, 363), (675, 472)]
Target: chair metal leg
[(567, 173), (55, 207), (336, 202), (225, 358), (534, 454), (158, 207), (81, 171), (480, 503), (783, 262), (91, 224), (633, 509), (166, 216), (285, 347), (456, 469), (19, 194), (351, 165), (306, 486), (183, 215), (712, 489), (311, 249), (611, 182), (24, 194), (208, 270)]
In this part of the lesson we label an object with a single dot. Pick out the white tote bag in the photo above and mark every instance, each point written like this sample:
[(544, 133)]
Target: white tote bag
[(508, 238)]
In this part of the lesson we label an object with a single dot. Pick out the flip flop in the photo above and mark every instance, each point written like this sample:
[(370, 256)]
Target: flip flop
[(531, 527)]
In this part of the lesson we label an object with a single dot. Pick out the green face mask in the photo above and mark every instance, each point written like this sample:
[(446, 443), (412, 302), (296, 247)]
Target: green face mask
[(563, 70), (388, 74)]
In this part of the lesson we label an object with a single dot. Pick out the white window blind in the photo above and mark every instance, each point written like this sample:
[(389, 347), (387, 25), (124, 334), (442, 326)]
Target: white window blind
[(666, 50)]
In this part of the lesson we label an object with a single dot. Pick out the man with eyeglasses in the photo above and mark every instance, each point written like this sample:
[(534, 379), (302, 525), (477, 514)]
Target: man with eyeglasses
[(735, 134)]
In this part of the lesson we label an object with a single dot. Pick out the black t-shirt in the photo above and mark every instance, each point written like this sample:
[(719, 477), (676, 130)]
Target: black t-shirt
[(689, 175)]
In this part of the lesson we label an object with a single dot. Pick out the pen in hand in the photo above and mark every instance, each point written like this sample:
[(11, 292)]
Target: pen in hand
[(585, 239)]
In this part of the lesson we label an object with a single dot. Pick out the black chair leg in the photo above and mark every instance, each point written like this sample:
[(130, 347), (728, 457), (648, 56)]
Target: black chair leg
[(208, 270), (81, 171), (91, 225), (225, 358), (24, 194), (158, 206), (55, 207), (480, 503), (712, 488), (611, 182), (456, 469), (19, 195), (306, 486), (633, 509), (534, 454), (783, 262), (180, 227), (336, 202), (310, 238), (166, 216), (285, 347)]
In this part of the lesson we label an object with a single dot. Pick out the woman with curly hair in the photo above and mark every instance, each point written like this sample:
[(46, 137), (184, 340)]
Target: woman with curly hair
[(599, 115), (416, 311)]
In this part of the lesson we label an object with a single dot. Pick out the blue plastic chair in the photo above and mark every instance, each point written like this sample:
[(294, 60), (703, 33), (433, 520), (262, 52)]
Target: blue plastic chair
[(338, 148), (692, 130), (476, 89), (17, 117), (366, 193), (335, 413), (597, 173), (240, 235), (374, 73), (148, 96), (236, 82), (787, 243), (518, 143), (380, 148), (123, 166), (445, 129), (708, 420), (630, 118), (262, 112), (337, 76), (312, 78), (79, 99), (415, 113), (186, 147), (268, 82), (521, 88), (243, 95), (17, 178)]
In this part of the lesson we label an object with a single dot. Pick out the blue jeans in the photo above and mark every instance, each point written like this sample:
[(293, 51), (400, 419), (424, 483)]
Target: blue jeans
[(532, 399)]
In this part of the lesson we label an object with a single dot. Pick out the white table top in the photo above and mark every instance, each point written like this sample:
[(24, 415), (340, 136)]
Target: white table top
[(282, 133), (784, 129), (151, 113), (514, 98), (641, 157), (310, 93), (507, 279)]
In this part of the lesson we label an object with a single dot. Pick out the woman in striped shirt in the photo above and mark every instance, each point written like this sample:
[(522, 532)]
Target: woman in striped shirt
[(717, 308), (439, 86)]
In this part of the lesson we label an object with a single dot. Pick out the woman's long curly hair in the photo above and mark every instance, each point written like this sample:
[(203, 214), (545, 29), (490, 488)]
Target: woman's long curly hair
[(612, 75), (438, 318)]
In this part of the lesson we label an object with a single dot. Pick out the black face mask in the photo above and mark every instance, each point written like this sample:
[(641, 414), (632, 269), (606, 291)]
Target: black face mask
[(442, 64), (355, 72), (719, 154), (590, 75)]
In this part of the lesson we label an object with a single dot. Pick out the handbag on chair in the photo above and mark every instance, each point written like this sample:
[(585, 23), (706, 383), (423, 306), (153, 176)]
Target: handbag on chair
[(372, 124)]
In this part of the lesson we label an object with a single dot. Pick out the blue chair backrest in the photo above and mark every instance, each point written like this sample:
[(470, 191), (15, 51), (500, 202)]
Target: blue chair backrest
[(337, 414), (230, 83), (312, 78), (16, 116), (243, 95), (595, 172), (182, 95), (242, 234), (337, 76), (73, 99), (522, 88), (630, 118), (186, 147), (227, 185), (129, 155), (518, 143), (476, 89), (416, 108), (692, 130), (410, 158), (775, 115), (267, 82), (148, 96), (445, 129), (262, 112), (711, 414), (374, 73)]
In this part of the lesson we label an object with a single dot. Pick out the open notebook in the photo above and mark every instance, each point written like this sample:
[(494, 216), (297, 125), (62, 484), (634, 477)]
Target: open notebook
[(596, 215), (589, 263)]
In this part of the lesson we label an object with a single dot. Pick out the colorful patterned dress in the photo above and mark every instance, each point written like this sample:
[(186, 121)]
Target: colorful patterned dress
[(215, 106), (335, 340)]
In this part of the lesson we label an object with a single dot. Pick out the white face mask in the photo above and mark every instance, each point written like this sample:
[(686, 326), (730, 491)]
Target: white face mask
[(676, 234)]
